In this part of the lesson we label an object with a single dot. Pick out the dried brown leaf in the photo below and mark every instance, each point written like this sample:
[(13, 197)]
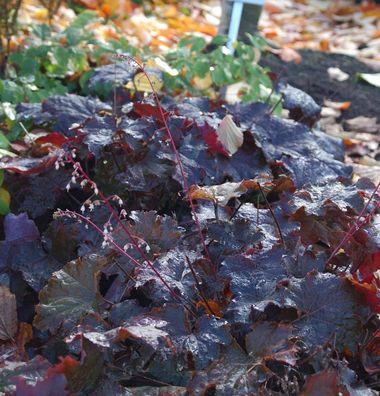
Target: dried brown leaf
[(8, 314)]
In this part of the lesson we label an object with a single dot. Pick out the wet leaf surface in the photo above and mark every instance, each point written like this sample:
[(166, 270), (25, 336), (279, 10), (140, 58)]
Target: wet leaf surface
[(255, 314), (70, 293)]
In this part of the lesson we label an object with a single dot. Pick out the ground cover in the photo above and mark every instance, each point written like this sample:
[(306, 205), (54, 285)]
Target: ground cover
[(162, 240)]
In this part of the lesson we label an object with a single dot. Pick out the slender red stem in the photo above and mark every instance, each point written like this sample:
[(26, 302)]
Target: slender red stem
[(71, 214), (115, 215), (178, 158), (355, 227)]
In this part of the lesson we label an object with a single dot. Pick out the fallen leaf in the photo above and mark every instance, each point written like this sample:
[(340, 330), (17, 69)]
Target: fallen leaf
[(230, 135), (373, 79), (287, 54), (323, 383), (222, 193), (8, 314), (362, 124), (337, 105), (336, 74)]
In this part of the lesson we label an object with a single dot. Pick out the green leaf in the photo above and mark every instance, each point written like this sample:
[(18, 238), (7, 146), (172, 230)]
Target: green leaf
[(83, 19), (219, 40), (197, 44), (70, 293), (26, 65), (11, 92), (219, 76), (17, 131), (4, 142), (257, 41), (201, 67), (4, 201), (1, 176), (42, 31)]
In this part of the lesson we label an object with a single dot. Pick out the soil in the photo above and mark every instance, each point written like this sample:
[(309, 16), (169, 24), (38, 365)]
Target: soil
[(311, 76)]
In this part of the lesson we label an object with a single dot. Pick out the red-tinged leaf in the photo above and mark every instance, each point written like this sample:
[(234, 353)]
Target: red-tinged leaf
[(51, 385), (368, 289), (370, 265), (148, 110), (83, 378), (324, 383), (54, 138), (370, 354), (214, 145), (66, 366), (30, 166)]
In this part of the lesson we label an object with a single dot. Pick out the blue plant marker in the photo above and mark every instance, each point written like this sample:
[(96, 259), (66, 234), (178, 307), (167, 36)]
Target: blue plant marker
[(237, 11)]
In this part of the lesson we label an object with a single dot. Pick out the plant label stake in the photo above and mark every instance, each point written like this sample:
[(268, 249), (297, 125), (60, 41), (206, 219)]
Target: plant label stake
[(236, 15)]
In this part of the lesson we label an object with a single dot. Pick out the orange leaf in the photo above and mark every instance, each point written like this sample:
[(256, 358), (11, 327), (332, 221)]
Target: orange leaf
[(272, 9), (372, 13), (67, 366), (270, 33), (368, 290), (24, 335), (215, 307), (324, 45)]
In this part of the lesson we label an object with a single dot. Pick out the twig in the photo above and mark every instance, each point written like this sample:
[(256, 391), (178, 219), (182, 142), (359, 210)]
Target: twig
[(272, 213), (199, 287)]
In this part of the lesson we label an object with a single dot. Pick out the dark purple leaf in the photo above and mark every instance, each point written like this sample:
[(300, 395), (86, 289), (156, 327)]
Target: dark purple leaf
[(314, 197), (108, 76), (19, 228), (251, 280), (328, 308), (99, 131), (52, 385), (69, 109), (296, 146), (30, 259), (33, 111), (301, 106), (40, 194)]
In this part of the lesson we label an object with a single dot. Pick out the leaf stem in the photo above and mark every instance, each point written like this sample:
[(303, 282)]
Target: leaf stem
[(272, 213), (356, 226), (178, 158)]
